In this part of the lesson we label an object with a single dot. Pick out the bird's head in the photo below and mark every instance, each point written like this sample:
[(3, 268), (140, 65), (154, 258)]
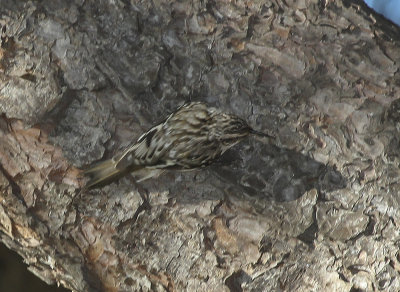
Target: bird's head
[(235, 129)]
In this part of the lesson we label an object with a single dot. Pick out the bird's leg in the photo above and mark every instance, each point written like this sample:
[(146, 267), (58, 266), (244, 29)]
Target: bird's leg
[(145, 205)]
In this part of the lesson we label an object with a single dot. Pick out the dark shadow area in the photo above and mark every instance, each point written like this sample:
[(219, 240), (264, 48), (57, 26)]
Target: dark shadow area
[(95, 283), (15, 277), (276, 174)]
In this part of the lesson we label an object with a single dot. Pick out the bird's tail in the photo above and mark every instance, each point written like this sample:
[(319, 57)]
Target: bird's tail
[(101, 173)]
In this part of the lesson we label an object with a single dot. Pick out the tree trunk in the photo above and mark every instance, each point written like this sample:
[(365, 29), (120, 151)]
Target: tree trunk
[(315, 209)]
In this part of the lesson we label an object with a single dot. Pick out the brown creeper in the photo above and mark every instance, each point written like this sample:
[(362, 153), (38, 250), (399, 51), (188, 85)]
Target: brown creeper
[(193, 136)]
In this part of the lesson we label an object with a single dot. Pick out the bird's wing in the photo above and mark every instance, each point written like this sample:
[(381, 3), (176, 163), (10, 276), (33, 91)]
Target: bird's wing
[(148, 150), (199, 153), (175, 143)]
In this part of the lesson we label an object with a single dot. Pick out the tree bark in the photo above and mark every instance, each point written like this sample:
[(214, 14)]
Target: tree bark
[(316, 209)]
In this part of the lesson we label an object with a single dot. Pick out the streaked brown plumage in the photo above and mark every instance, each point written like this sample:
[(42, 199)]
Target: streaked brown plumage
[(193, 136)]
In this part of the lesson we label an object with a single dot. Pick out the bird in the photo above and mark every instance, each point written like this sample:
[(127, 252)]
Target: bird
[(193, 136)]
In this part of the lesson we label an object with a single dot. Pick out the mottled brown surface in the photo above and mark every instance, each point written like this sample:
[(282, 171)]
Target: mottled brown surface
[(315, 210)]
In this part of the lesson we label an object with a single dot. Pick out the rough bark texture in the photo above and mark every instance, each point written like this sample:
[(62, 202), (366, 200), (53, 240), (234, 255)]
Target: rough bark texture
[(318, 209)]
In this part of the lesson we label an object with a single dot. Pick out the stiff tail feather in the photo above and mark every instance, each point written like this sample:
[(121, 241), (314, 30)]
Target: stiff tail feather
[(101, 173)]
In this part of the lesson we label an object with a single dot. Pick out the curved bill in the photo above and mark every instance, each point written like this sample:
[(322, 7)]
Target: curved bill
[(261, 134)]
